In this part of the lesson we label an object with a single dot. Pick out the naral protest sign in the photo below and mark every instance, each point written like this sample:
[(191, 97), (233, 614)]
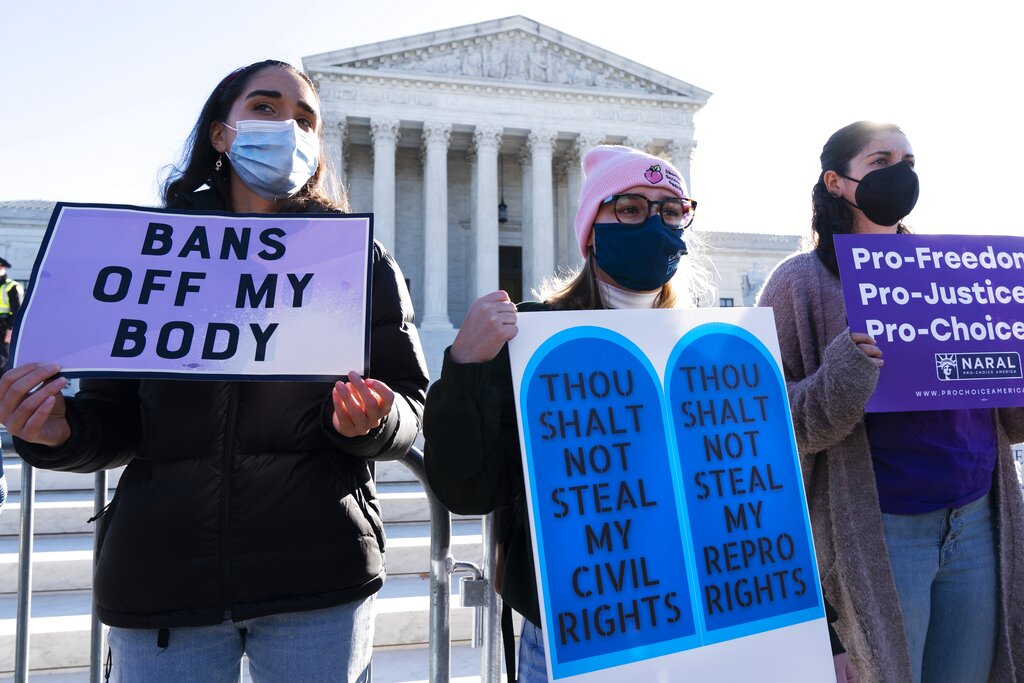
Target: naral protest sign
[(670, 531), (947, 311), (119, 290)]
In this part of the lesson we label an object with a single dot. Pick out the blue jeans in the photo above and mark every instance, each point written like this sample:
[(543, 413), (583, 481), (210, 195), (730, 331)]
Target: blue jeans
[(330, 645), (533, 665), (945, 566)]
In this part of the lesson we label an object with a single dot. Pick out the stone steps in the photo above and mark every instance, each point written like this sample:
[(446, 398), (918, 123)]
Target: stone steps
[(60, 622), (47, 480), (67, 512), (64, 561), (62, 570)]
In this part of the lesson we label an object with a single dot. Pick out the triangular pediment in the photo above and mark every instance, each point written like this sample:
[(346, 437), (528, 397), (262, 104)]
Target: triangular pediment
[(513, 50)]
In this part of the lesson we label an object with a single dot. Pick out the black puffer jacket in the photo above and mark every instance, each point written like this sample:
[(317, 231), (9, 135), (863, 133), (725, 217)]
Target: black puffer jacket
[(239, 498)]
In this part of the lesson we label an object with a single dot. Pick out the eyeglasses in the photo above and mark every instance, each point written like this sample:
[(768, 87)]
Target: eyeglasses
[(633, 209)]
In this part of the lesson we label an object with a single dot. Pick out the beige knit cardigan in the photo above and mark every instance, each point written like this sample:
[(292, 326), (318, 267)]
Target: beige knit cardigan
[(829, 380)]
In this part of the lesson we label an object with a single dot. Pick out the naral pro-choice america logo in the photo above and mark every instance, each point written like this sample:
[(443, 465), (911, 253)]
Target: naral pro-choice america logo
[(960, 366)]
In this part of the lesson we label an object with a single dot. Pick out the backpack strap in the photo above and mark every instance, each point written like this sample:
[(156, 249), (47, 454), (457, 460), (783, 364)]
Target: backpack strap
[(508, 638)]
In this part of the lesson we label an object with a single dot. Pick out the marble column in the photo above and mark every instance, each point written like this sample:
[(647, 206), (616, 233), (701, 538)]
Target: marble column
[(435, 225), (487, 142), (563, 211), (681, 153), (526, 166), (469, 274), (539, 244), (335, 131), (385, 139), (583, 143), (639, 142)]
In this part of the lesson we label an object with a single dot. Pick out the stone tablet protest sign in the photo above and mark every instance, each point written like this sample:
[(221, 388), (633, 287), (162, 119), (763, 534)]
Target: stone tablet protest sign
[(119, 290), (947, 311), (670, 530)]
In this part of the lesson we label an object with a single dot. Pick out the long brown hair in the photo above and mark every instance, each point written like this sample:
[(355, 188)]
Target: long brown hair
[(197, 166)]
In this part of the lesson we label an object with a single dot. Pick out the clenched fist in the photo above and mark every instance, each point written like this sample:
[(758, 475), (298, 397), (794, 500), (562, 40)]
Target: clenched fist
[(490, 323)]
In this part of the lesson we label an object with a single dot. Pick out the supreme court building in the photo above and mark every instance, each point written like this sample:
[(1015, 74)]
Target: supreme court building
[(466, 143)]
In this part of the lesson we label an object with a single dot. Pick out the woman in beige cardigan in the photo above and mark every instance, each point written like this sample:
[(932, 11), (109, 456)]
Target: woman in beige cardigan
[(918, 519)]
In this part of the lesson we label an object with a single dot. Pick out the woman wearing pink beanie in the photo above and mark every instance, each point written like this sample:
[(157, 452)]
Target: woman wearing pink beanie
[(631, 227)]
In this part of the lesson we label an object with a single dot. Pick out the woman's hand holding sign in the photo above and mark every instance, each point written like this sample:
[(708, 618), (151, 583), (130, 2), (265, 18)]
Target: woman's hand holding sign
[(360, 405), (867, 346), (31, 405), (490, 322), (845, 672)]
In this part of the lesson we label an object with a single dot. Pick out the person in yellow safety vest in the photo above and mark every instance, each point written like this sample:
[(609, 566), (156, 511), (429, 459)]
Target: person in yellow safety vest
[(11, 294)]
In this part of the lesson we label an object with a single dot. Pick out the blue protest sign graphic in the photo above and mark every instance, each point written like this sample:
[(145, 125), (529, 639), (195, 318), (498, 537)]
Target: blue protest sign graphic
[(668, 520), (617, 586), (739, 466)]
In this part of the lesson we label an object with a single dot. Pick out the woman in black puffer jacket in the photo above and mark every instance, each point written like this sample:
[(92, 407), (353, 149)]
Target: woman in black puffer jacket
[(246, 518)]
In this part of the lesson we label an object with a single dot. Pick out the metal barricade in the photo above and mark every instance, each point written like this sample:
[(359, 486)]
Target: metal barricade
[(96, 636), (442, 566), (490, 614), (481, 596), (28, 495)]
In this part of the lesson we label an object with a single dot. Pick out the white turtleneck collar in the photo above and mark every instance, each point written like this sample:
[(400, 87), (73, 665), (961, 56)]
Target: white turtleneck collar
[(616, 297)]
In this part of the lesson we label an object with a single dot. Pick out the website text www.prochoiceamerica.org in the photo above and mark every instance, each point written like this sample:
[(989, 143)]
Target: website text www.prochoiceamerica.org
[(981, 391)]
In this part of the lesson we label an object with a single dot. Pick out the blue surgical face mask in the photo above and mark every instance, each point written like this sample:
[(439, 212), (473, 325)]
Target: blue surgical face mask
[(273, 158), (639, 257)]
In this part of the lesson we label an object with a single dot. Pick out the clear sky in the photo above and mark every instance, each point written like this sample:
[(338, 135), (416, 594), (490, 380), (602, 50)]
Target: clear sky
[(99, 96)]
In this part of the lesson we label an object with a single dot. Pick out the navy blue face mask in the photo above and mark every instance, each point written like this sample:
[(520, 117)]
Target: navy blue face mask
[(639, 257)]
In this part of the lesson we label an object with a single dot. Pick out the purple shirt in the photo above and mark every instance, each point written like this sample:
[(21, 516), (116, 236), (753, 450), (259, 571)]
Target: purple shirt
[(930, 460)]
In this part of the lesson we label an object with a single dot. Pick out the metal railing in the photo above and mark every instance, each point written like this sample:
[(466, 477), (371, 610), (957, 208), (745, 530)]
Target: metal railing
[(96, 628), (28, 495), (476, 591)]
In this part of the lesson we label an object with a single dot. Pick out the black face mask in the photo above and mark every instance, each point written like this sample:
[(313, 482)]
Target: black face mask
[(887, 195)]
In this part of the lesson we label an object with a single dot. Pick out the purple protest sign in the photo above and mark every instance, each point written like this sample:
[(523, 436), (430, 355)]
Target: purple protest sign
[(947, 312), (119, 290)]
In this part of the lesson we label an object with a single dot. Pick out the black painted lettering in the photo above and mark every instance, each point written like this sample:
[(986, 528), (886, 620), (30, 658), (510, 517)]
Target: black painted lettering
[(124, 281), (150, 284), (163, 342), (197, 242), (271, 238), (230, 345), (247, 292), (131, 332), (158, 240), (556, 499), (235, 243), (262, 337), (185, 286), (567, 627), (298, 287)]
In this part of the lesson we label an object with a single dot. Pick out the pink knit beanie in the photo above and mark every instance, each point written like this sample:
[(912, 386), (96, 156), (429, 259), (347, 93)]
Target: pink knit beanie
[(612, 169)]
